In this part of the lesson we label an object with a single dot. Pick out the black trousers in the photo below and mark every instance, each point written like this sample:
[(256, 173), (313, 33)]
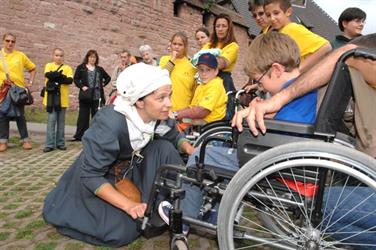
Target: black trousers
[(83, 120)]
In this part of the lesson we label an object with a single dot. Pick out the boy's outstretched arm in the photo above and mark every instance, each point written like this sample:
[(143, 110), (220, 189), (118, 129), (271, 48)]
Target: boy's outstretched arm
[(316, 77)]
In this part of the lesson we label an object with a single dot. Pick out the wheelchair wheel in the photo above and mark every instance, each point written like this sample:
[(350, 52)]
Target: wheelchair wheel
[(224, 131), (305, 195), (179, 244)]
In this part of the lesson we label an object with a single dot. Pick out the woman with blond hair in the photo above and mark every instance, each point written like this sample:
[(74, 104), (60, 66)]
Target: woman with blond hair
[(181, 71)]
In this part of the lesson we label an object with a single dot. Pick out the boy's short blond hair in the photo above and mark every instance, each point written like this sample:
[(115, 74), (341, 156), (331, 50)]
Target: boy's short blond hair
[(269, 48)]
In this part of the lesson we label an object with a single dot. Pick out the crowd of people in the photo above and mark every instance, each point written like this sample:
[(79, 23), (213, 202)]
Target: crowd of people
[(155, 97)]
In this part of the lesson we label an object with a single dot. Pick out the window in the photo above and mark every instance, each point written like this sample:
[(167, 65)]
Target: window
[(299, 3)]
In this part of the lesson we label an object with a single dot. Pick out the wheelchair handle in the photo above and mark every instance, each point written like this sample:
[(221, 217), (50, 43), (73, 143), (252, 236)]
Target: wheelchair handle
[(366, 53), (203, 148)]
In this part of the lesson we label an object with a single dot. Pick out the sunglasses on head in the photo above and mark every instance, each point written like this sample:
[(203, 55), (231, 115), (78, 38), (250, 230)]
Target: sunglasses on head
[(10, 41)]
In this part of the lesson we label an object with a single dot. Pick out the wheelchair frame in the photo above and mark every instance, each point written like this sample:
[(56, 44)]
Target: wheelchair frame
[(296, 150)]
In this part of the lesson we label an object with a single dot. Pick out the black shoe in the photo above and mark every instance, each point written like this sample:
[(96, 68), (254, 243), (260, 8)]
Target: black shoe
[(62, 147), (47, 149), (74, 139)]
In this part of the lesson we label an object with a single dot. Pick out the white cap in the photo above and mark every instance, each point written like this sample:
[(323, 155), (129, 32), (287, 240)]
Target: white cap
[(139, 80)]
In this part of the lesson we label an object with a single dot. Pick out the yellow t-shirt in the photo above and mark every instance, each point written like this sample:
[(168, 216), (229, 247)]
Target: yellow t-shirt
[(211, 96), (308, 42), (266, 29), (229, 52), (16, 63), (64, 88), (183, 82)]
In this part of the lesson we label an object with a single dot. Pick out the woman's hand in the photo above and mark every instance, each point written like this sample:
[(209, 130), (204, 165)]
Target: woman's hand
[(84, 88), (135, 210)]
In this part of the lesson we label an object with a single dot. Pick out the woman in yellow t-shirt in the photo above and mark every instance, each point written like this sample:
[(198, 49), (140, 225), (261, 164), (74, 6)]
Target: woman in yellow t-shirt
[(223, 38), (181, 72)]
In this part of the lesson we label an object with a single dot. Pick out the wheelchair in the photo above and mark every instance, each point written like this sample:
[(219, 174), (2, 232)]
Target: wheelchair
[(220, 128), (300, 186)]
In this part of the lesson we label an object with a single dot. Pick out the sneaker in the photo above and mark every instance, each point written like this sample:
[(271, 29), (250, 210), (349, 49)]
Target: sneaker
[(26, 145), (164, 210), (3, 147)]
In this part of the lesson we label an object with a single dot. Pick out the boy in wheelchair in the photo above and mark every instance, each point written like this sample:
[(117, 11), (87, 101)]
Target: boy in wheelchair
[(209, 101), (273, 60)]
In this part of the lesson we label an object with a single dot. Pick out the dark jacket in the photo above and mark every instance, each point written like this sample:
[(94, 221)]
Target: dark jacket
[(80, 78), (339, 41)]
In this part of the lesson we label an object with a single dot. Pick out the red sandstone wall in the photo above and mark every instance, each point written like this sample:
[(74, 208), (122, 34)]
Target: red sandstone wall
[(105, 25)]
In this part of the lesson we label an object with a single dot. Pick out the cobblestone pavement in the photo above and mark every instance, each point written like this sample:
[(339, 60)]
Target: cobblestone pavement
[(25, 179)]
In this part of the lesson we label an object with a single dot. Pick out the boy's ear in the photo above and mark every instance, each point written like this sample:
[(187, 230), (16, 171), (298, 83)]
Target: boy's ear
[(289, 12), (278, 69)]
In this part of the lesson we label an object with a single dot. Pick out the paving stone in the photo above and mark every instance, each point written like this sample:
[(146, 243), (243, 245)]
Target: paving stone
[(25, 179)]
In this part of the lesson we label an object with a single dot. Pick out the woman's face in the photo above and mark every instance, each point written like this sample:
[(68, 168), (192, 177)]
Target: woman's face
[(201, 38), (92, 59), (155, 106), (177, 45), (9, 42), (146, 57), (221, 28)]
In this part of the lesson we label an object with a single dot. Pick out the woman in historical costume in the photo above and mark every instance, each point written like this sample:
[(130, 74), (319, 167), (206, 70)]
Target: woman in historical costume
[(85, 204)]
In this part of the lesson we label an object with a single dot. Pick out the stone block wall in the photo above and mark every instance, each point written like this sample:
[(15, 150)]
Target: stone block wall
[(107, 26)]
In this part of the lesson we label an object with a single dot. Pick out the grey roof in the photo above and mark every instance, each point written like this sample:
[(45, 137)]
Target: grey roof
[(312, 16)]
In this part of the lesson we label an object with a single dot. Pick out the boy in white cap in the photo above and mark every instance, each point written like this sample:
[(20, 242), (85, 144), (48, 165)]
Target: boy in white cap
[(209, 101)]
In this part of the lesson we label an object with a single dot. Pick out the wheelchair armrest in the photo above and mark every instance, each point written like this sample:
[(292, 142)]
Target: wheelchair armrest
[(289, 127)]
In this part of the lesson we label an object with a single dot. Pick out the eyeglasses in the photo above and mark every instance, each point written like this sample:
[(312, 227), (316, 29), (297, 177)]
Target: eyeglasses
[(258, 14), (258, 81), (10, 41)]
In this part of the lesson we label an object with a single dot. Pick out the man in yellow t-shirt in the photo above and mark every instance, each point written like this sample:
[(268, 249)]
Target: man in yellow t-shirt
[(209, 100), (15, 63), (56, 100), (312, 46)]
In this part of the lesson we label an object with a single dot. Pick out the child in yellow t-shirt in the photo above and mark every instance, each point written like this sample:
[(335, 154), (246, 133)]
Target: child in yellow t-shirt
[(209, 100), (312, 46)]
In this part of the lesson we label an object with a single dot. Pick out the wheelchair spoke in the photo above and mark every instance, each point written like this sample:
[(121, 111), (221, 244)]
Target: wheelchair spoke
[(356, 234), (348, 212), (304, 213), (336, 206), (350, 224), (270, 241), (283, 217), (262, 231)]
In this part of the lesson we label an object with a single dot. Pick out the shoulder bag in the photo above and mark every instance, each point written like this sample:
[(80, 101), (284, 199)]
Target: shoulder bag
[(86, 96), (123, 184), (19, 95)]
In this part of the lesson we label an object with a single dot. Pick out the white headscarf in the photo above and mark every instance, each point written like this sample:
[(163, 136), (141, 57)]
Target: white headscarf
[(133, 83)]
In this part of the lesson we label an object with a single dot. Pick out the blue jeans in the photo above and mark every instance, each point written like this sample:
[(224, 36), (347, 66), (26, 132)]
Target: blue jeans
[(21, 125), (55, 129), (223, 157), (352, 211)]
